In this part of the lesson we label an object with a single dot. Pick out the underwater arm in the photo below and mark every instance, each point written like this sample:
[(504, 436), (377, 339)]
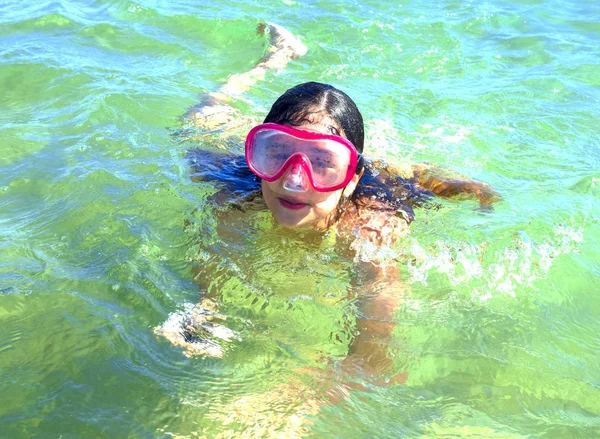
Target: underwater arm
[(376, 227), (369, 353), (199, 328)]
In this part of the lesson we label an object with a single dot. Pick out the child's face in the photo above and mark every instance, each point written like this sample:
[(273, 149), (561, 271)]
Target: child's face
[(308, 208)]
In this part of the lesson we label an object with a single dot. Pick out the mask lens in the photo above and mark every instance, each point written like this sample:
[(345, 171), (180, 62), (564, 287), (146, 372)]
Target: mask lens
[(329, 165), (271, 149)]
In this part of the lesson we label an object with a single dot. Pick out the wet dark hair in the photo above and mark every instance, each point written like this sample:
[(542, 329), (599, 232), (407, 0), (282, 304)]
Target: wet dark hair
[(299, 102)]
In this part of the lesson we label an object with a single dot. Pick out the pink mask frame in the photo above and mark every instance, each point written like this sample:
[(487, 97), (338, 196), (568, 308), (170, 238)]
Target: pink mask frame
[(300, 158)]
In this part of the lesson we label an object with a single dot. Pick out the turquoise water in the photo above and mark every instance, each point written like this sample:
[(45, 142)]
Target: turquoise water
[(102, 227)]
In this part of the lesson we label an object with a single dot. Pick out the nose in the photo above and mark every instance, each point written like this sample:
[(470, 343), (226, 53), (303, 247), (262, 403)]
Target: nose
[(295, 179)]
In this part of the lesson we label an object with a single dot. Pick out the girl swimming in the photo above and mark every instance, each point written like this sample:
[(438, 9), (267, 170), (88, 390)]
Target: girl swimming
[(305, 164)]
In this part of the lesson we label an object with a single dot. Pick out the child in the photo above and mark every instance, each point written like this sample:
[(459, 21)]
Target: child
[(305, 163)]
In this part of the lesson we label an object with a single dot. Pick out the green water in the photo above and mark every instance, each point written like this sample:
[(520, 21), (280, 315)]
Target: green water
[(498, 326)]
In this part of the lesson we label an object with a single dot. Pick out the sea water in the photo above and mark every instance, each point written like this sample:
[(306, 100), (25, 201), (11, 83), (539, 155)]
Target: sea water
[(102, 227)]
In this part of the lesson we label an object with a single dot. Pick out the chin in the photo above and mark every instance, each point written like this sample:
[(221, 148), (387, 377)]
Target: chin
[(290, 222)]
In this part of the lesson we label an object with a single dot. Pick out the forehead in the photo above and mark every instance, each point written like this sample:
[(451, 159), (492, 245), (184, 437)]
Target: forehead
[(320, 121), (318, 117)]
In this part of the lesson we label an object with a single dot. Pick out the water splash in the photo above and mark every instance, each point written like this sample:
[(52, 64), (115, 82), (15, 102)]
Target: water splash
[(501, 270)]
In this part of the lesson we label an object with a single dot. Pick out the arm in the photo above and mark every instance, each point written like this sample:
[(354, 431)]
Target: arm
[(431, 179), (446, 183), (214, 112), (374, 224), (198, 328), (369, 352)]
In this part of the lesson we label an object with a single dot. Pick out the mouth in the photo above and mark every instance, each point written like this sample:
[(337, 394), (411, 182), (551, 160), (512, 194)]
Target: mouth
[(292, 204)]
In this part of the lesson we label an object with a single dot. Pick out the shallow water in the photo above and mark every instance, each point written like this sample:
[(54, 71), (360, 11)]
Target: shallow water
[(497, 330)]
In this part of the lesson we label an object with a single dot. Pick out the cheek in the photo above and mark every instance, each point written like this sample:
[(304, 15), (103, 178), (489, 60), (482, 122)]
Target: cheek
[(327, 203), (267, 192)]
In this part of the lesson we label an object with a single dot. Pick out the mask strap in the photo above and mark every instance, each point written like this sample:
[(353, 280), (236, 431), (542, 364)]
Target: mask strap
[(360, 163)]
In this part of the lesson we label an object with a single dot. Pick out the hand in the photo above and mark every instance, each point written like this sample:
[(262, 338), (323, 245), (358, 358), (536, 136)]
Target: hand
[(196, 330)]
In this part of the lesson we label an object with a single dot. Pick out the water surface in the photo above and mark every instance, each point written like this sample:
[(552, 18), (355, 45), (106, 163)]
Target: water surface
[(497, 331)]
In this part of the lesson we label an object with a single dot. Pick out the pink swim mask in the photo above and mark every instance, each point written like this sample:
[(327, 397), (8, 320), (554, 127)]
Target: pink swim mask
[(327, 161)]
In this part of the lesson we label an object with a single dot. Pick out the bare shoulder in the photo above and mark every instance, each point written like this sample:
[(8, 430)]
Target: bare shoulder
[(374, 220)]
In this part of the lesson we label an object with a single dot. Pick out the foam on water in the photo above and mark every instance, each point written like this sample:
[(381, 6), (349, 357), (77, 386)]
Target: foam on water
[(500, 271)]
